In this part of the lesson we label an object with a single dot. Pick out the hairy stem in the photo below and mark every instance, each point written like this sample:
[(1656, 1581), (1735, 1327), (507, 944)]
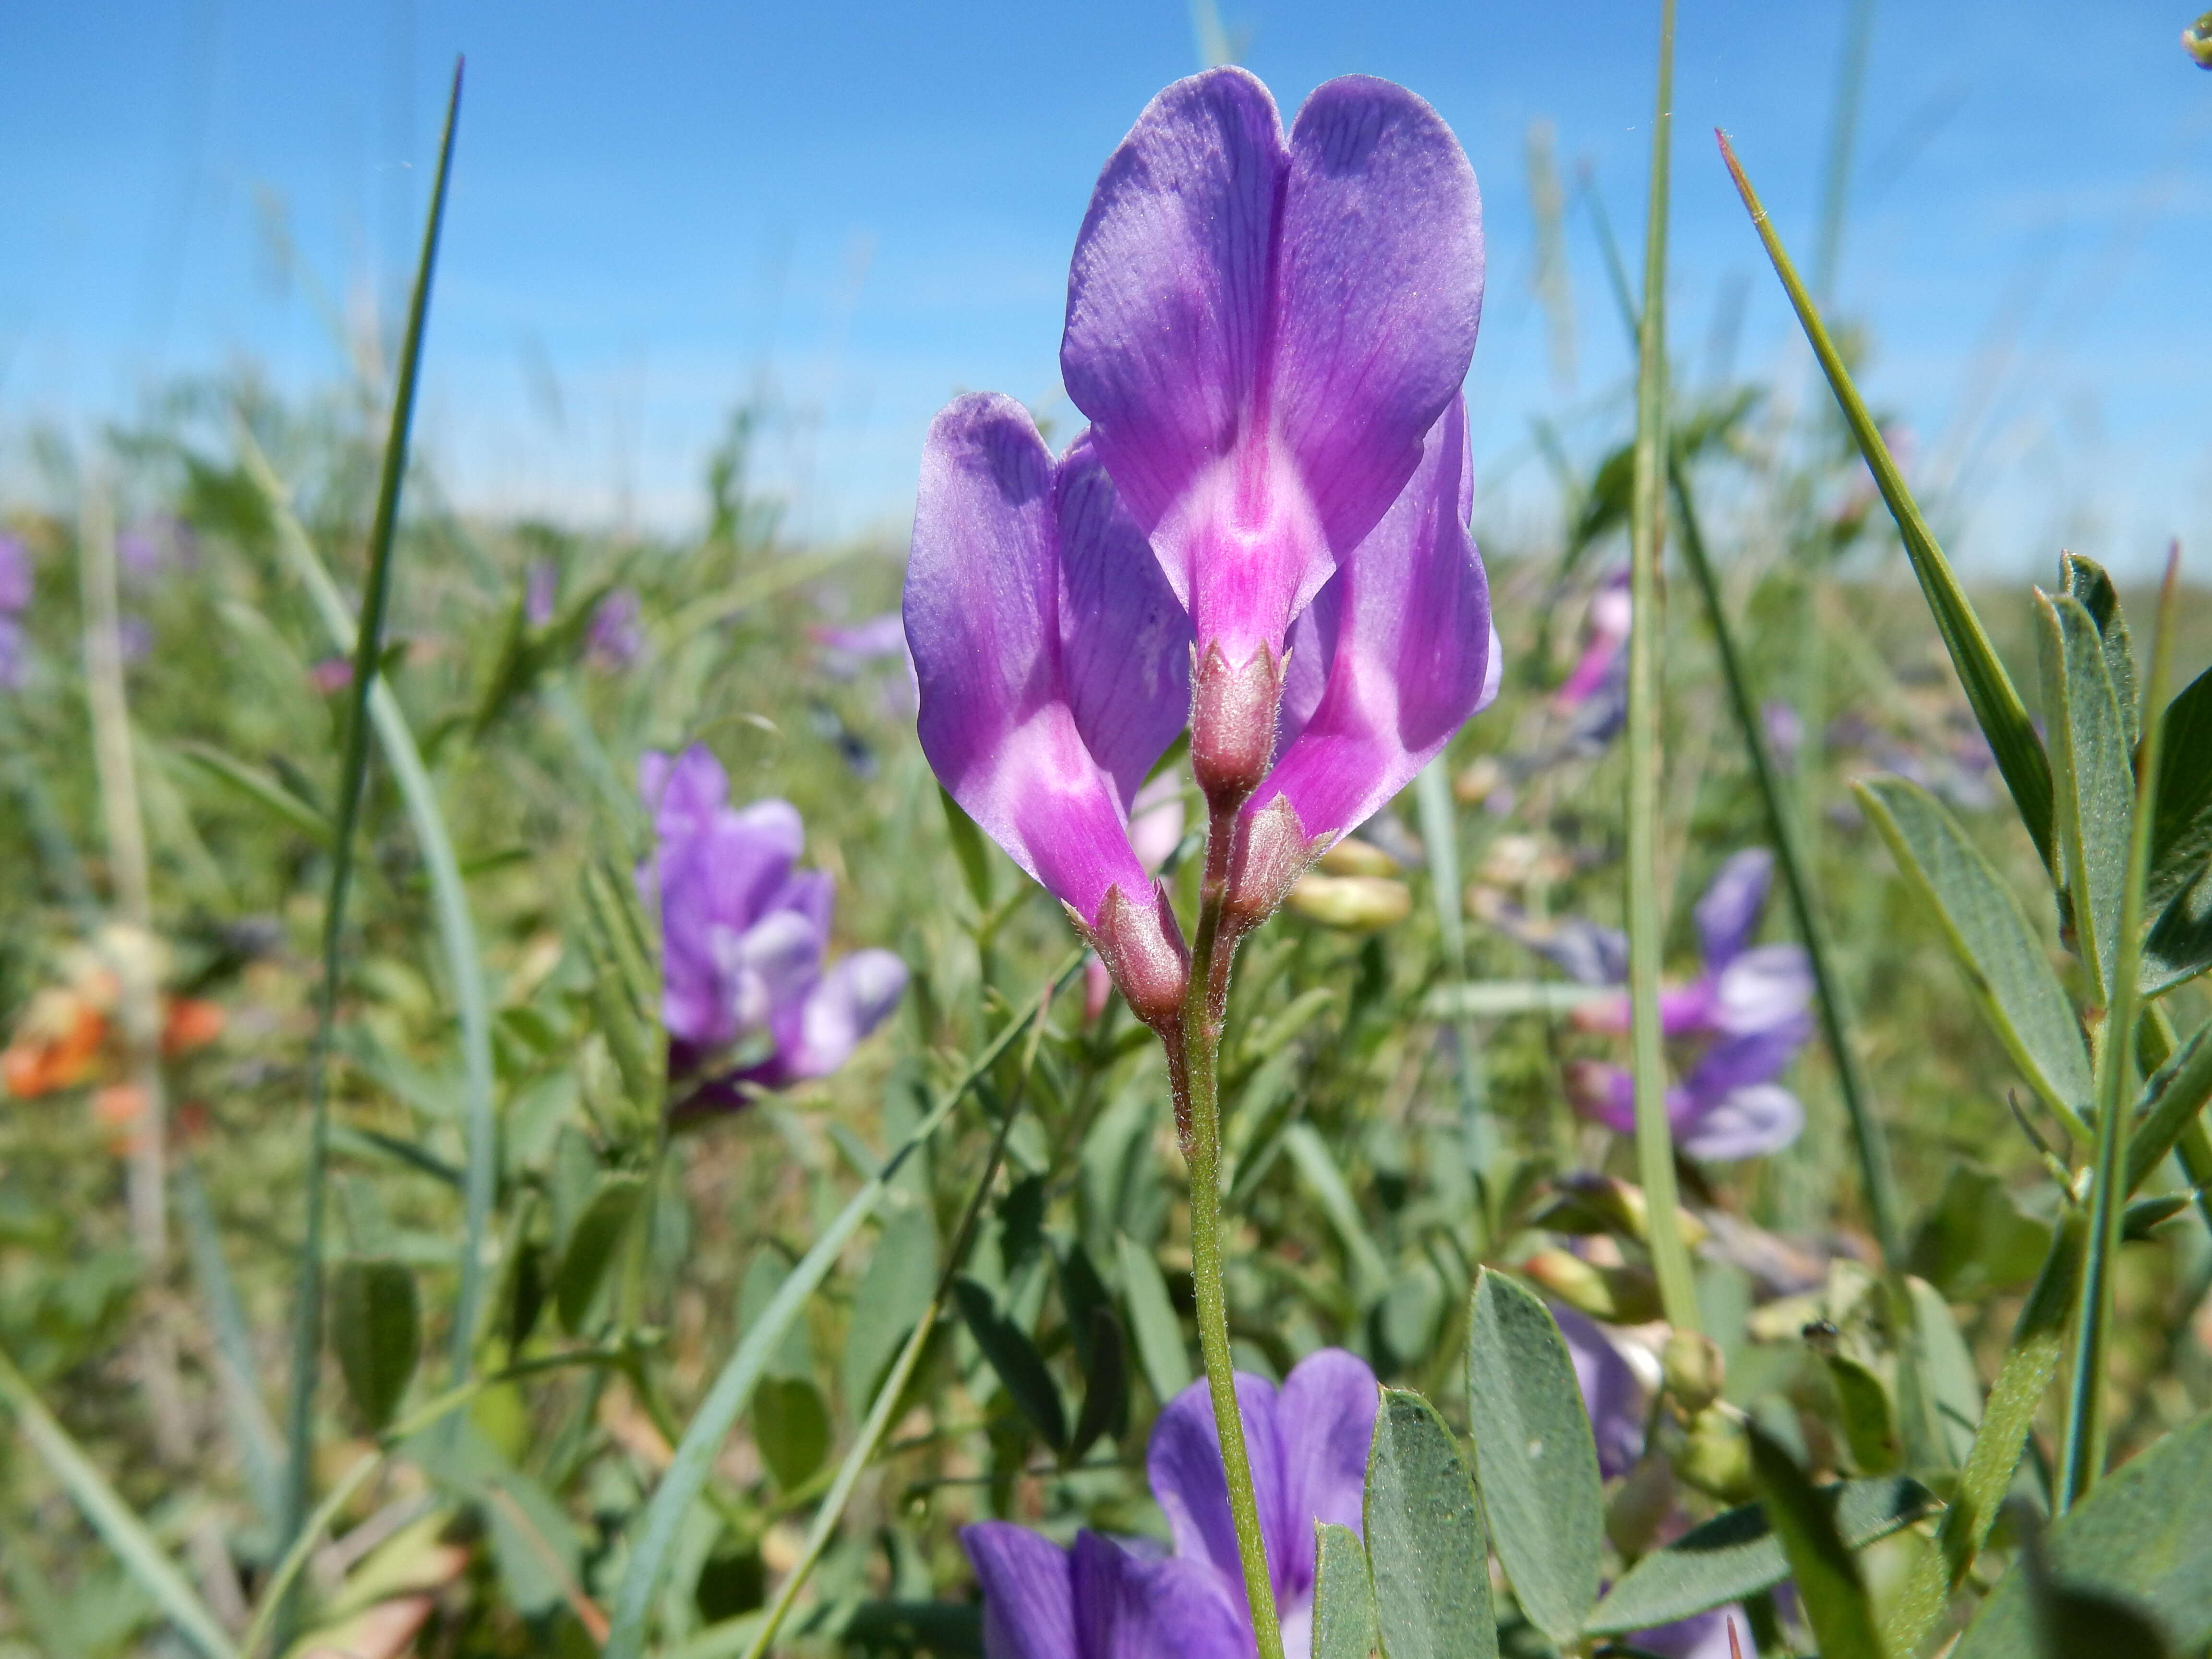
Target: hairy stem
[(1196, 1073)]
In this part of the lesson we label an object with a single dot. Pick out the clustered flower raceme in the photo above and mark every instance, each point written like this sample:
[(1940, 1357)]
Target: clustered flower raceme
[(750, 1000), (1263, 532), (1745, 1016)]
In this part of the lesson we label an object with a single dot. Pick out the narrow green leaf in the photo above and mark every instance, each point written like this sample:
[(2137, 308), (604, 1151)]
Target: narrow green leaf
[(2182, 827), (1021, 1369), (661, 1523), (236, 1368), (2004, 959), (1829, 1588), (1344, 1601), (1990, 690), (2171, 1102), (1425, 1548), (893, 1291), (1317, 1167), (2178, 947), (1949, 1388), (593, 1246), (1534, 1456), (115, 1521), (1737, 1554), (376, 1330), (1152, 1320), (2093, 780), (790, 1425), (2031, 1361), (2144, 1534), (2090, 587), (263, 789), (1869, 1424), (1105, 1384)]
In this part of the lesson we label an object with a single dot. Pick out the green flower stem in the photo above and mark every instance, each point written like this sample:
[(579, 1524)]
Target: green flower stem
[(2081, 1459), (1654, 1137), (1193, 1062)]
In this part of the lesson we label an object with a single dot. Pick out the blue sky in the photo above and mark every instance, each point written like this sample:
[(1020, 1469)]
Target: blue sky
[(853, 211)]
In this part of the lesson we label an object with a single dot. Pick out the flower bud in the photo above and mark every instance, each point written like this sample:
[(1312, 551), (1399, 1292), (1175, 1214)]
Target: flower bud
[(1353, 857), (1232, 724), (1715, 1454), (1694, 1368), (1356, 904), (1619, 1296), (1143, 949), (1272, 851)]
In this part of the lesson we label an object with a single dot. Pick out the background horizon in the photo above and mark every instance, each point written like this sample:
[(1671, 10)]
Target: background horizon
[(846, 217)]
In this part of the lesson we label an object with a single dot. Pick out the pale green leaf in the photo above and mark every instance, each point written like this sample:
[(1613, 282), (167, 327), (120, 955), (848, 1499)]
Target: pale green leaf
[(1426, 1554), (1535, 1458)]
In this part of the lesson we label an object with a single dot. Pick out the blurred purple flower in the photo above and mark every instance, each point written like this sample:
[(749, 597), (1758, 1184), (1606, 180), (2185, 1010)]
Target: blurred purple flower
[(614, 638), (134, 637), (847, 651), (745, 939), (332, 675), (1605, 649), (1389, 662), (16, 587), (1785, 730), (1053, 664), (149, 550), (1614, 1393), (1262, 334), (1108, 1599), (541, 591), (1746, 1015)]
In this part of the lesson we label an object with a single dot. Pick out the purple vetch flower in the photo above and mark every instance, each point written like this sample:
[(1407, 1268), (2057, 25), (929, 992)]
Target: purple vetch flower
[(147, 551), (332, 675), (1389, 660), (847, 649), (1605, 650), (1745, 1016), (1053, 664), (748, 998), (16, 587), (1262, 333), (1107, 1598), (541, 591), (1615, 1393), (614, 638)]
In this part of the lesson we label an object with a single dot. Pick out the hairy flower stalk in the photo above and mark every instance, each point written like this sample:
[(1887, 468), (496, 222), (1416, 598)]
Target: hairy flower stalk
[(1264, 534)]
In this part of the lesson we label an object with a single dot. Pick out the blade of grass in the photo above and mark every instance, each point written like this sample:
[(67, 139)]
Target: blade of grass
[(112, 1518), (878, 1422), (258, 1453), (2081, 1459), (449, 897), (1877, 1176), (1990, 690), (1655, 1135), (662, 1522), (367, 656)]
